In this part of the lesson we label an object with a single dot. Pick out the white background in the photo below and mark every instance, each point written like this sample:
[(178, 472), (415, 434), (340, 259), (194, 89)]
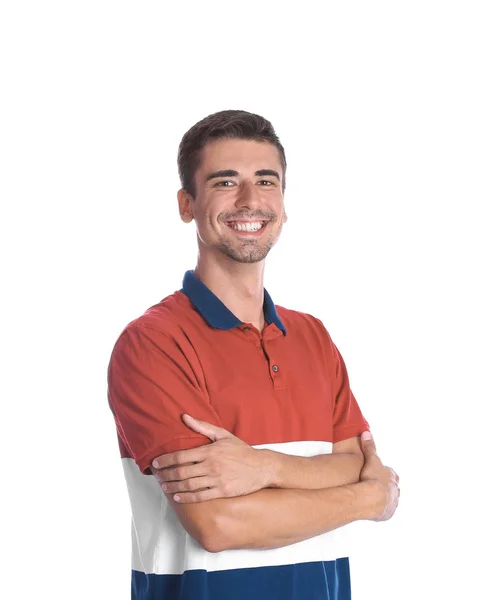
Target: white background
[(380, 107)]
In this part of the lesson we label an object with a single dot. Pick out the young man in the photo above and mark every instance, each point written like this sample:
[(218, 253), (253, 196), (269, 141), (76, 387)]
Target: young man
[(243, 498)]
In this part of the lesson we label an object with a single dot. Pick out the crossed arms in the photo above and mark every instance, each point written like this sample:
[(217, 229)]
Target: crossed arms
[(233, 496)]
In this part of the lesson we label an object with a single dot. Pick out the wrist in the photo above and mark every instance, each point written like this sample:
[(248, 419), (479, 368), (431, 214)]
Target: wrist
[(270, 468)]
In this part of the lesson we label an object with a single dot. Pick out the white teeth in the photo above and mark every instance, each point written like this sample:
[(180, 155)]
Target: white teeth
[(247, 226)]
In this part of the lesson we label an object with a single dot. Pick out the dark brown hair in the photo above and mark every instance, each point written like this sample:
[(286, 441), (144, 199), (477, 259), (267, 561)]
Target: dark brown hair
[(226, 124)]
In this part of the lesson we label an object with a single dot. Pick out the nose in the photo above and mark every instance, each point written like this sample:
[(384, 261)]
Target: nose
[(247, 196)]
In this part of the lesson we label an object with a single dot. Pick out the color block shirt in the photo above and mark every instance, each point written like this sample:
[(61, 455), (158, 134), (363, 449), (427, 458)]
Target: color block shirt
[(284, 389)]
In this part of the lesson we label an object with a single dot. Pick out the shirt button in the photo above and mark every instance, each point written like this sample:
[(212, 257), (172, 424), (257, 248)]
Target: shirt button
[(275, 368), (247, 329)]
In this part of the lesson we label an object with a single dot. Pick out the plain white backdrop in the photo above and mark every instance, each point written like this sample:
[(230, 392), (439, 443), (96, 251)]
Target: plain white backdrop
[(379, 106)]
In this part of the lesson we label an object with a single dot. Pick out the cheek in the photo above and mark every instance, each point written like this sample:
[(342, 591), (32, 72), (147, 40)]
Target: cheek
[(208, 226), (212, 225), (212, 212)]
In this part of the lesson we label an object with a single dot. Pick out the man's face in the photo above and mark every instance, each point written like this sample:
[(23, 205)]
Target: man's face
[(239, 207)]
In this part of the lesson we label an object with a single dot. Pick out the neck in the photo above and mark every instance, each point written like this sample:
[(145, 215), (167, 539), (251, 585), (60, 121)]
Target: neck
[(238, 285)]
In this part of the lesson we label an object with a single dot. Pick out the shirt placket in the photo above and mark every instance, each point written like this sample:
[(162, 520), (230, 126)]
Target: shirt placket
[(268, 346)]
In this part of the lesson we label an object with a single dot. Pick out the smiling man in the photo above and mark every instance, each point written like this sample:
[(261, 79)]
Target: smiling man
[(243, 447)]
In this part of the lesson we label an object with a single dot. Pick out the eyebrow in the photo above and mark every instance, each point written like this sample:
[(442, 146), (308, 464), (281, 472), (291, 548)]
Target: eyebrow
[(232, 173)]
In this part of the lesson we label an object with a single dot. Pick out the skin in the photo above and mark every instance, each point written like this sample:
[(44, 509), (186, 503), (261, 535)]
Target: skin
[(230, 494)]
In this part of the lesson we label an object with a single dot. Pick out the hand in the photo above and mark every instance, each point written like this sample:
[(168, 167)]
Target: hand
[(226, 468), (387, 491)]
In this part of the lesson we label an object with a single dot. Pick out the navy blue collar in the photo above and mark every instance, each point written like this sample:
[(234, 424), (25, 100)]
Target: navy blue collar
[(216, 312)]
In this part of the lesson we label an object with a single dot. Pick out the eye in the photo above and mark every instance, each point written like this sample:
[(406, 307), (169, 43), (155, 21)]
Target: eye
[(221, 183), (266, 181)]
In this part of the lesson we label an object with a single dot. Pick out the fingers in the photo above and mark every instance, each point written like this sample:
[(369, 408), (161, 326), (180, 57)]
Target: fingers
[(189, 485), (368, 444), (211, 431), (182, 472), (180, 457), (201, 496), (391, 502), (393, 498)]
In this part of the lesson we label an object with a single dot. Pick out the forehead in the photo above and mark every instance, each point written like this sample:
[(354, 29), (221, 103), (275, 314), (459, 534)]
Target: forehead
[(239, 155)]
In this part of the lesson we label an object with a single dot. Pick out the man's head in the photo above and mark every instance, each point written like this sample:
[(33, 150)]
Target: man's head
[(232, 168), (226, 124)]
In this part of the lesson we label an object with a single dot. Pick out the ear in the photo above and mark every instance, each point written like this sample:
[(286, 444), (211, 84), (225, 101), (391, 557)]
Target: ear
[(185, 206), (285, 216)]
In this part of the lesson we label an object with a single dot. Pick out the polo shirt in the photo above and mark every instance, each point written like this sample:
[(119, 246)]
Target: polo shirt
[(284, 389)]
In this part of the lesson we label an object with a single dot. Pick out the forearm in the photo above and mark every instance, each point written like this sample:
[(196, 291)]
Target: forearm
[(272, 518), (314, 472)]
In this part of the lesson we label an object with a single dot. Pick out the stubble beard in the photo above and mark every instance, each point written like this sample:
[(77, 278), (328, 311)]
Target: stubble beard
[(248, 253), (247, 250)]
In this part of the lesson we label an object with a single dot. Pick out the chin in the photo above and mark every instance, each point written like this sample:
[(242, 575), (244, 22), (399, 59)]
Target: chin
[(245, 257)]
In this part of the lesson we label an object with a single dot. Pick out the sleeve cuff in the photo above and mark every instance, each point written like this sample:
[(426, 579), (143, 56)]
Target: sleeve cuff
[(345, 433)]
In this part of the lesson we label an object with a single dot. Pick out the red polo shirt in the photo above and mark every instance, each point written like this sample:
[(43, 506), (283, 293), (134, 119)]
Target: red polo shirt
[(285, 388)]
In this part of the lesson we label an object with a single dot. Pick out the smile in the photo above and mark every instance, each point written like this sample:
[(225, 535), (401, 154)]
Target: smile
[(245, 227)]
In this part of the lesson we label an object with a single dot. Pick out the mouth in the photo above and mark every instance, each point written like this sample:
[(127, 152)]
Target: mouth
[(247, 228)]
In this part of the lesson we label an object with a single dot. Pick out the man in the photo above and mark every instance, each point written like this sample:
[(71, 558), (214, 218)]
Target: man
[(239, 433)]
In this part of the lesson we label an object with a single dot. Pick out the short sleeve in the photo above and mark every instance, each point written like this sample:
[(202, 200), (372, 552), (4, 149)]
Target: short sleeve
[(152, 382), (348, 420)]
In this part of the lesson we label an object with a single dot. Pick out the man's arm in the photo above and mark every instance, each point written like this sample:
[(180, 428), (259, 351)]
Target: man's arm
[(272, 518), (230, 467), (342, 467)]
